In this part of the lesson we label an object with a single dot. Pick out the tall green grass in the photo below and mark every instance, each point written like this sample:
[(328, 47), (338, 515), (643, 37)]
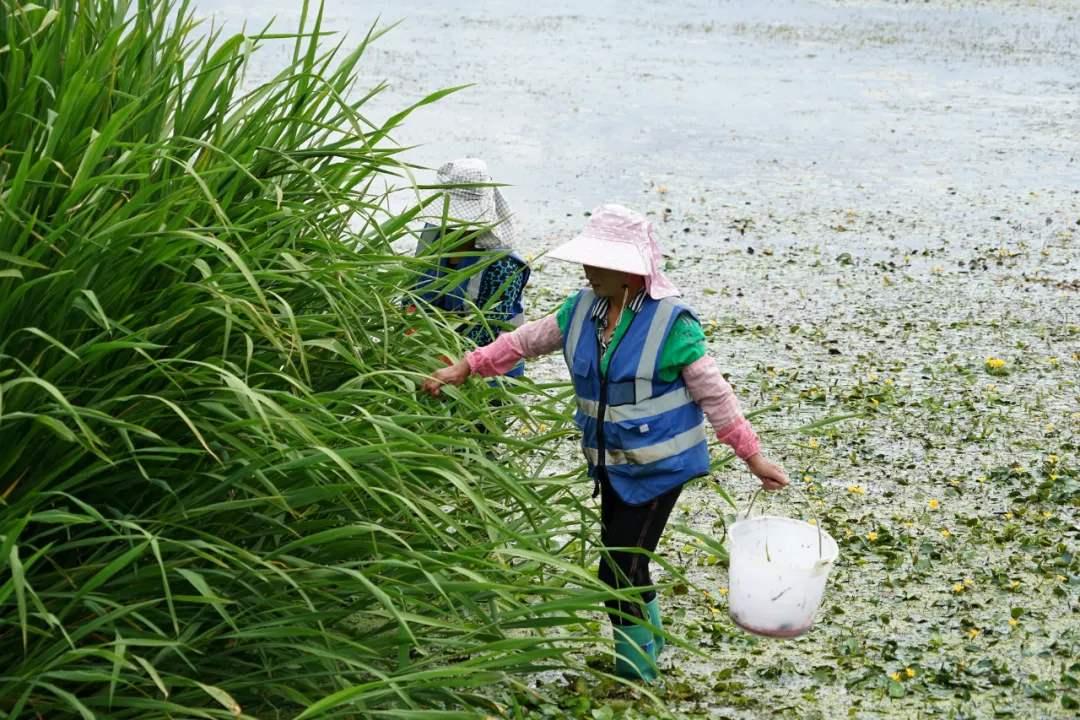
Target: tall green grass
[(221, 495)]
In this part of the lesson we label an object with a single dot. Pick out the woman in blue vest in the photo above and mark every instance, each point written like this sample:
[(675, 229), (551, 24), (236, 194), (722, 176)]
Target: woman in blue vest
[(474, 240), (644, 386)]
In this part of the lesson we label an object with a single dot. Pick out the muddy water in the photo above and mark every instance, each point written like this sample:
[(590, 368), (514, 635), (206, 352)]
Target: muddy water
[(863, 200), (792, 105)]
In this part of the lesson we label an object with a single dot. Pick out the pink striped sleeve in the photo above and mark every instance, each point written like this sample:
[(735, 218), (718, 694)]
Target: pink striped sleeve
[(742, 439), (717, 400), (532, 339)]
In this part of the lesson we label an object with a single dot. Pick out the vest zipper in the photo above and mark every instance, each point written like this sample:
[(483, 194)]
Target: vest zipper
[(601, 465), (602, 410)]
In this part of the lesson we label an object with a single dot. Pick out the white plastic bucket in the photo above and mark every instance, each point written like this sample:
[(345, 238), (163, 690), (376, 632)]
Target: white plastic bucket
[(777, 571)]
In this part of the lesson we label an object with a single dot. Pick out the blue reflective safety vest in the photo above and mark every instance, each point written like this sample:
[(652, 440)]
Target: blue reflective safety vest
[(653, 436), (463, 297)]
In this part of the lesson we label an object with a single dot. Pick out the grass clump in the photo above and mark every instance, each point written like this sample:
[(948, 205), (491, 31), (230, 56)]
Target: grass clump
[(220, 494)]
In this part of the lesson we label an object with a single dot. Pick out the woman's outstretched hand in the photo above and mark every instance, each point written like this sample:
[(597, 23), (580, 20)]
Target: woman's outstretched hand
[(772, 476), (454, 374)]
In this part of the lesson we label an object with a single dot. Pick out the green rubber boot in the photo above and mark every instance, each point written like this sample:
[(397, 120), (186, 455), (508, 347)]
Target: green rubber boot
[(635, 653), (653, 610)]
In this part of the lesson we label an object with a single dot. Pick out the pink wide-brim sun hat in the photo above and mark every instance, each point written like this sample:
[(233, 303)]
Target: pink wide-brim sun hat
[(617, 238)]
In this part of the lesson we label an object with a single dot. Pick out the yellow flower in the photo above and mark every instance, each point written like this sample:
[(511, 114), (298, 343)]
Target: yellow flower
[(968, 582), (909, 672), (1052, 459), (1013, 622), (933, 504), (1047, 514), (1009, 515), (871, 536), (723, 591), (1049, 427), (856, 489), (872, 376), (889, 382), (812, 443), (958, 588), (995, 363), (895, 677), (1060, 578), (812, 521), (945, 533), (974, 633), (1014, 584)]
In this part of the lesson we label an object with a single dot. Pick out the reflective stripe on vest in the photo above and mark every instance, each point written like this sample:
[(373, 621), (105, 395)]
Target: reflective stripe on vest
[(652, 453), (643, 386), (472, 289), (638, 411), (577, 323)]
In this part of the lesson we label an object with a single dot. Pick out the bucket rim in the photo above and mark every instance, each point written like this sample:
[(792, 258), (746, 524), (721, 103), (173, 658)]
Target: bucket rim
[(830, 549)]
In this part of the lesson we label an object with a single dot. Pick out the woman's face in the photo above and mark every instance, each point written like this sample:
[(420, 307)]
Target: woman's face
[(607, 283)]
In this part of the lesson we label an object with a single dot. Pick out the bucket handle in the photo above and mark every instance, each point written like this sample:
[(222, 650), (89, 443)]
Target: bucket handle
[(809, 505)]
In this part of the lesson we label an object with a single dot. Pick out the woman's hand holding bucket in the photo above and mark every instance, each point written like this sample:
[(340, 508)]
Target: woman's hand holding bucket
[(772, 476)]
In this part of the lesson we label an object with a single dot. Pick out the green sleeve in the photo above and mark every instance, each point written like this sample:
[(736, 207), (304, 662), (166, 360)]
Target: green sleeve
[(685, 344), (563, 314)]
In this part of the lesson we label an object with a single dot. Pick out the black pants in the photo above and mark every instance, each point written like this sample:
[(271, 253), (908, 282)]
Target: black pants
[(626, 526)]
